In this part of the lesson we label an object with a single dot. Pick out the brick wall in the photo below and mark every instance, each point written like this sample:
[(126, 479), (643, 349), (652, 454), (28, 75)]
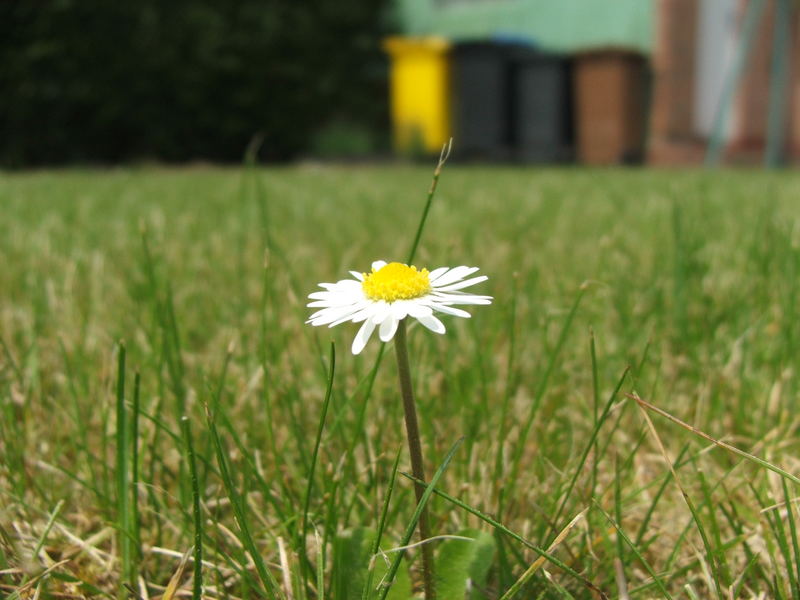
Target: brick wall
[(672, 140), (672, 136)]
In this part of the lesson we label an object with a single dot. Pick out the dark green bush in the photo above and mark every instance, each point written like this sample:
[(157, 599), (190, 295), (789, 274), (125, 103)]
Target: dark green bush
[(99, 81)]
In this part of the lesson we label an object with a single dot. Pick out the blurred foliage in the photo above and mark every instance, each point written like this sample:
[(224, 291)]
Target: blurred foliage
[(90, 80)]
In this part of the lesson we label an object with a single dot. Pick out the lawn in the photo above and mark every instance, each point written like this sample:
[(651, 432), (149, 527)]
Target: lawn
[(676, 287)]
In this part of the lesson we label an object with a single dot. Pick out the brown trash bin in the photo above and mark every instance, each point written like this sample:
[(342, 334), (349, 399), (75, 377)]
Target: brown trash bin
[(610, 105)]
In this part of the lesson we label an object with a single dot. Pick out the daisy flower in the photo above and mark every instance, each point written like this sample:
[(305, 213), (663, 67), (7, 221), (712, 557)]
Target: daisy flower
[(391, 292)]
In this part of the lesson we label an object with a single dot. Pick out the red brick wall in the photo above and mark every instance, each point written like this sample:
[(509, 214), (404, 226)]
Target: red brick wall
[(751, 105), (672, 140)]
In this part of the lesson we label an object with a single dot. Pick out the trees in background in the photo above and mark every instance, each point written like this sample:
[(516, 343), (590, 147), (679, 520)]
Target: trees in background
[(98, 81)]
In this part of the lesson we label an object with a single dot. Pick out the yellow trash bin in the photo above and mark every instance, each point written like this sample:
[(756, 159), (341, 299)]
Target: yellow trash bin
[(419, 93)]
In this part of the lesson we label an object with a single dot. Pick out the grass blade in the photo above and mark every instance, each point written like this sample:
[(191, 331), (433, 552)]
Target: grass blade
[(531, 571), (621, 534), (239, 509), (303, 531), (124, 517), (759, 461), (445, 154), (589, 445), (503, 529), (542, 387), (197, 519), (412, 526), (381, 528), (710, 556)]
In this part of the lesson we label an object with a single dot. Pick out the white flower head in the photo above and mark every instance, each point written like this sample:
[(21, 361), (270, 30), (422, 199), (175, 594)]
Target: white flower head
[(392, 292)]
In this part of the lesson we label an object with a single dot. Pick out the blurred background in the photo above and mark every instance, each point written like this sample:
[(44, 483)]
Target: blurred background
[(659, 82)]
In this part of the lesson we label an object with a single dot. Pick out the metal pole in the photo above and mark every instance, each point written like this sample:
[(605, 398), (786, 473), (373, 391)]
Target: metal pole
[(776, 124), (752, 18)]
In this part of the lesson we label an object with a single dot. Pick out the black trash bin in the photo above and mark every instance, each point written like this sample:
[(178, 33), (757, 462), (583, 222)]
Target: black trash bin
[(481, 76), (511, 102), (541, 107)]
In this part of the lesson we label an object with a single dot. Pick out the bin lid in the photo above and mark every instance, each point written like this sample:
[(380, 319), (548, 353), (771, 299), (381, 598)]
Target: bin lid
[(526, 54), (398, 44), (488, 47), (610, 52), (514, 49)]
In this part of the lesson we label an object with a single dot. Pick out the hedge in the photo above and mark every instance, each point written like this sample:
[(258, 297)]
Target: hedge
[(99, 81)]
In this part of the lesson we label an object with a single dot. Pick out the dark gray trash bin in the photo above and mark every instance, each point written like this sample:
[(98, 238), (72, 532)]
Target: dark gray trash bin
[(541, 107), (481, 91)]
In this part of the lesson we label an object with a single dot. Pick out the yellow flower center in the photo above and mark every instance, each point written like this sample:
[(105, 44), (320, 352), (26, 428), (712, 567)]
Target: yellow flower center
[(396, 281)]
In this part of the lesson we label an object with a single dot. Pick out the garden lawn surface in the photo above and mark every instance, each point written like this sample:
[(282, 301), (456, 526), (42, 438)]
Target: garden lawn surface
[(676, 287)]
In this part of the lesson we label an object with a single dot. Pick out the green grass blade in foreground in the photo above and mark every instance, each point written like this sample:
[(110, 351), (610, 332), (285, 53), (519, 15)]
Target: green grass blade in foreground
[(320, 568), (135, 517), (164, 313), (197, 519), (412, 526), (660, 492), (589, 445), (759, 461), (542, 387), (445, 154), (635, 550), (710, 555), (381, 528), (510, 384), (503, 529), (595, 403), (534, 567), (793, 531), (239, 509), (27, 581), (300, 543), (50, 522), (124, 517)]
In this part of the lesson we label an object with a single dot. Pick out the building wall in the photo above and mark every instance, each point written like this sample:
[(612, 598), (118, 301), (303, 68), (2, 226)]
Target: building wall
[(563, 25), (794, 101), (679, 132), (673, 139)]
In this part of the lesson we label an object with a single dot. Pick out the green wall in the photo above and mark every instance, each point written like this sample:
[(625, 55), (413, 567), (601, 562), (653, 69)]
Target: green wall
[(565, 25)]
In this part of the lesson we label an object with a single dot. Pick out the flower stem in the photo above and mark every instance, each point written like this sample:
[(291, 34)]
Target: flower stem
[(415, 450)]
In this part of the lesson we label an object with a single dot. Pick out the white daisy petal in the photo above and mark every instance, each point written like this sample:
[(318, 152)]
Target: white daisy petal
[(388, 328), (419, 310), (460, 299), (378, 264), (320, 313), (449, 310), (432, 323), (381, 310), (461, 284), (436, 273), (400, 309), (357, 275), (320, 295), (362, 337), (336, 295), (347, 285), (323, 304), (358, 312), (334, 301), (332, 314), (454, 275), (363, 312)]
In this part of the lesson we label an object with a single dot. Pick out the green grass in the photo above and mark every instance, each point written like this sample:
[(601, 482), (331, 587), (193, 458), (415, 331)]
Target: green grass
[(131, 298)]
